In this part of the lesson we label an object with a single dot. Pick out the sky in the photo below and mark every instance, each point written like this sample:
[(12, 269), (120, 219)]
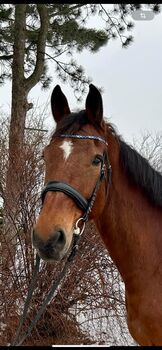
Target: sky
[(131, 79)]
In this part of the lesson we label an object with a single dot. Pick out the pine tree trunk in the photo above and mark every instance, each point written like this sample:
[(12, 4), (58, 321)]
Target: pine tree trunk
[(21, 86), (16, 140)]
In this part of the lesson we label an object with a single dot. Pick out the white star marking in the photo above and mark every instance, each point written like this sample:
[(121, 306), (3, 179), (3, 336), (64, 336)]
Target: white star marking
[(67, 147)]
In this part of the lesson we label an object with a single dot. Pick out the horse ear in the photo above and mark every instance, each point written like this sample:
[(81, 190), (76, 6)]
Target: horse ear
[(94, 106), (59, 104)]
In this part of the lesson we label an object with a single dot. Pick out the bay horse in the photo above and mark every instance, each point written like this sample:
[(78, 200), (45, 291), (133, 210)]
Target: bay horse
[(126, 206)]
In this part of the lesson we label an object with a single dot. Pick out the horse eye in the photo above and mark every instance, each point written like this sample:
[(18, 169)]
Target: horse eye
[(97, 160)]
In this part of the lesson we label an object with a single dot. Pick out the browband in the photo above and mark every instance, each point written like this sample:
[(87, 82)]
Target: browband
[(91, 137)]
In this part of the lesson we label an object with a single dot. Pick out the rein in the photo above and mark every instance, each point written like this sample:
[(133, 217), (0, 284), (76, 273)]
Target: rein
[(86, 206)]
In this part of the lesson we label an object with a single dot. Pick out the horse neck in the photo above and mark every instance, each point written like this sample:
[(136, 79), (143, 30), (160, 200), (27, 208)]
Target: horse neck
[(130, 225)]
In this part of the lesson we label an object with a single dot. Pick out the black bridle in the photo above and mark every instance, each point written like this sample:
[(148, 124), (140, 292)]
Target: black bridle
[(84, 204)]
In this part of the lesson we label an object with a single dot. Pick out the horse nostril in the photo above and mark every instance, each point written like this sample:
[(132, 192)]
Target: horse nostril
[(51, 247), (59, 237)]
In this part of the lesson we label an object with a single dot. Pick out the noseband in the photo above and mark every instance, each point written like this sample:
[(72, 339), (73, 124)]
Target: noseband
[(84, 204)]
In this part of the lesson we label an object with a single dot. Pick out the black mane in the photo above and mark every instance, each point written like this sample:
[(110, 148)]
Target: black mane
[(136, 166), (141, 173)]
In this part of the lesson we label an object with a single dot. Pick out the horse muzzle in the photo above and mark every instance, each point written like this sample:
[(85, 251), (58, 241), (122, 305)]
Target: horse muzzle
[(52, 249)]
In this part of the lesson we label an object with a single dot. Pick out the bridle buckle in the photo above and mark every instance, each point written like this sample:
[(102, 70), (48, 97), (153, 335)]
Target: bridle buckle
[(77, 230)]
